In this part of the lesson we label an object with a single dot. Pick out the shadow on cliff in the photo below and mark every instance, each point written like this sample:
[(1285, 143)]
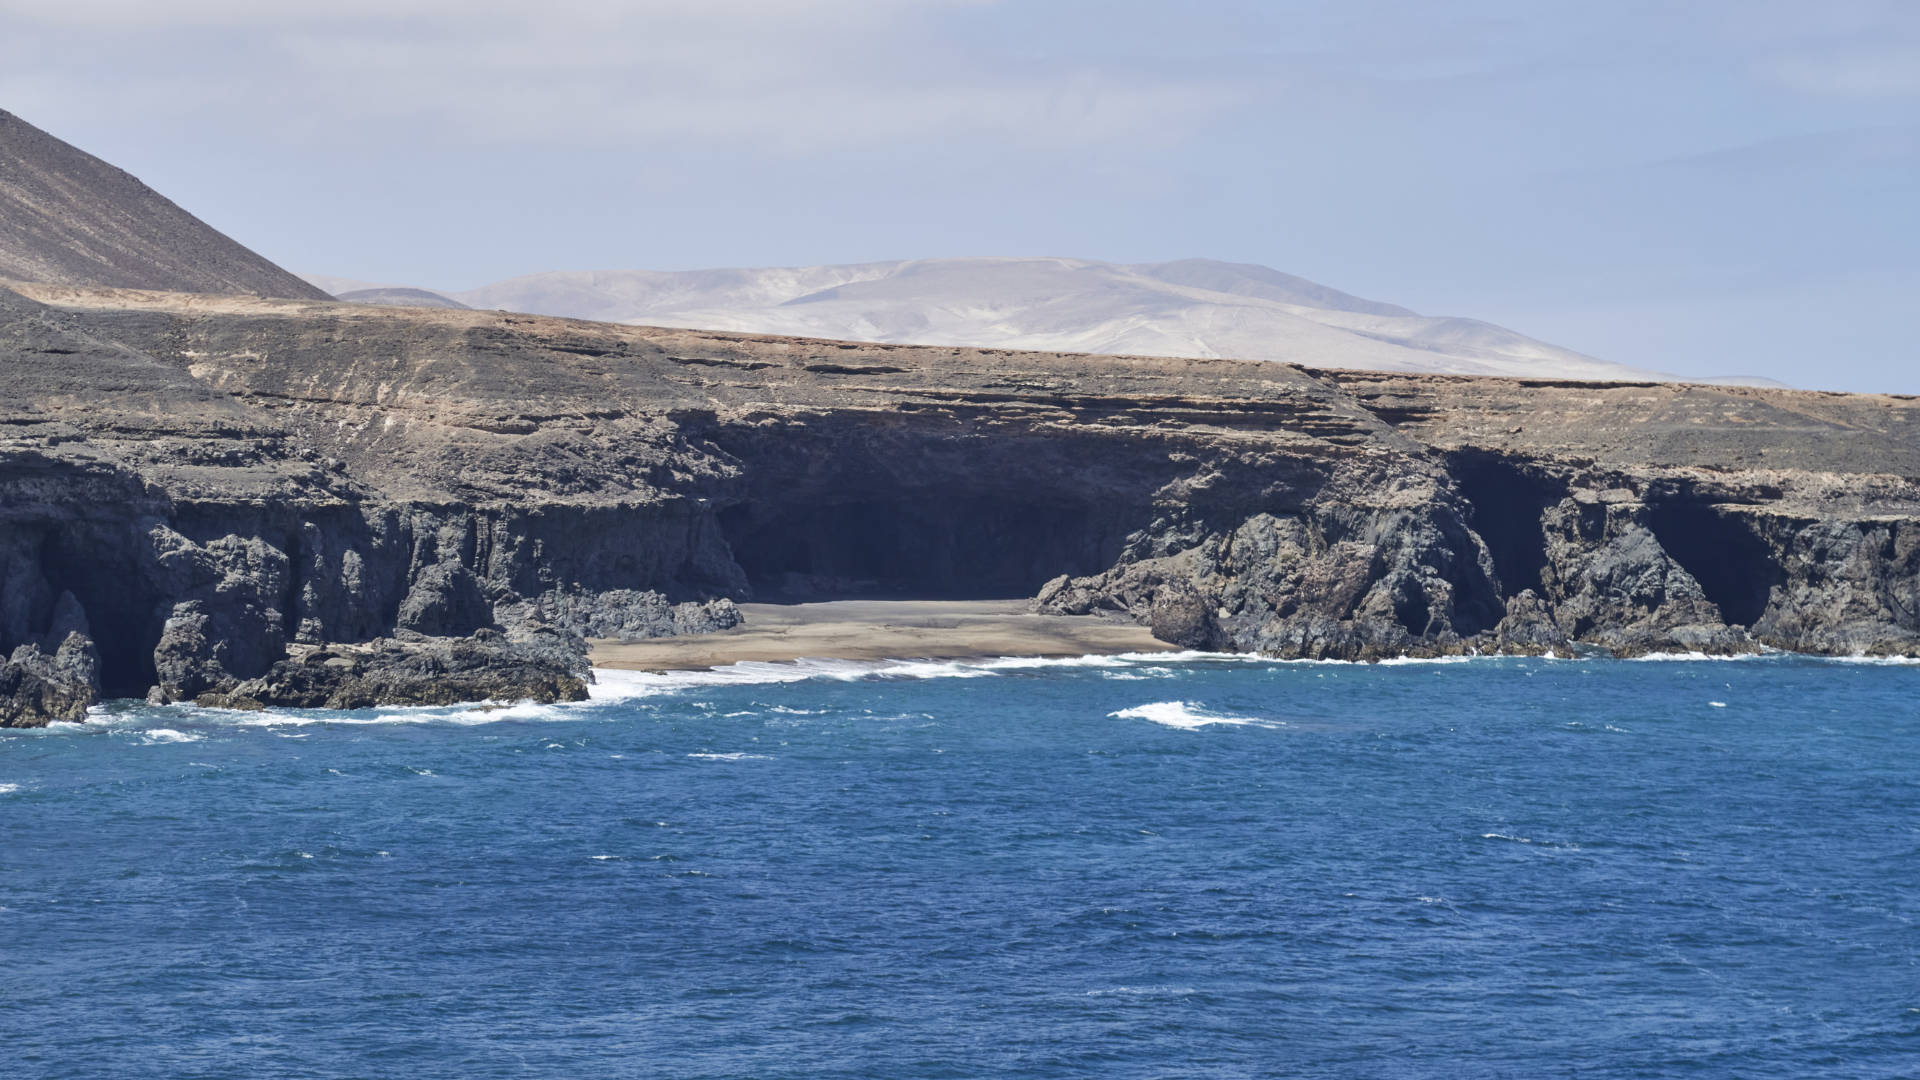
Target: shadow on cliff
[(965, 547)]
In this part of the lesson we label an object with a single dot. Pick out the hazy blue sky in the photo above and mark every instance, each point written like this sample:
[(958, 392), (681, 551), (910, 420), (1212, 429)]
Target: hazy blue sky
[(1715, 186)]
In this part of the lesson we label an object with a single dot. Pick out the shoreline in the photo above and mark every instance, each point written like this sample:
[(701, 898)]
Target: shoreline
[(882, 630)]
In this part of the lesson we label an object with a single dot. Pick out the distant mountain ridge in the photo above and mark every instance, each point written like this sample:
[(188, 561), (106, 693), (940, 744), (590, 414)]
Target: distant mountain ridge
[(1192, 307), (68, 218)]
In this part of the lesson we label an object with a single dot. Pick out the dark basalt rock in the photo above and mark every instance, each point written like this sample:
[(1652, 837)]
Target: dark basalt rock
[(623, 614), (1528, 628), (37, 687), (226, 621), (544, 666), (1615, 586), (445, 601)]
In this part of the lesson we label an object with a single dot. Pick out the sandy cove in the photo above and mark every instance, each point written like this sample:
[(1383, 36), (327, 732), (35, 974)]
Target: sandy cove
[(883, 630)]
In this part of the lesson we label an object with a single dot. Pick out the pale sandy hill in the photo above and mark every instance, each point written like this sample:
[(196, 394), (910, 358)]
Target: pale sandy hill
[(1190, 308)]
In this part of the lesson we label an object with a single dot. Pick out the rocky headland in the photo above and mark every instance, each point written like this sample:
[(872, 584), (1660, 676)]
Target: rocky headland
[(259, 502)]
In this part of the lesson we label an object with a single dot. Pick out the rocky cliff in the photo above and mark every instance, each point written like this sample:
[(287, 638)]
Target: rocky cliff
[(268, 501)]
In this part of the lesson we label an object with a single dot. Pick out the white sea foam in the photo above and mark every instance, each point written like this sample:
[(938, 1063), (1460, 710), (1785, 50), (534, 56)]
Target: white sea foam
[(1142, 991), (493, 714), (1718, 704), (8, 789), (618, 685), (1529, 840), (1696, 657), (732, 757), (155, 736), (422, 714), (1185, 715)]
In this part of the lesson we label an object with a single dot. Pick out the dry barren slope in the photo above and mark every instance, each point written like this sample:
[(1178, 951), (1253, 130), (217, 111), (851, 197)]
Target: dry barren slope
[(68, 218)]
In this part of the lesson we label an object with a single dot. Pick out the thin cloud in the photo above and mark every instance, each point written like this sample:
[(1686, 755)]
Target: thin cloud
[(782, 75), (1866, 71), (176, 13)]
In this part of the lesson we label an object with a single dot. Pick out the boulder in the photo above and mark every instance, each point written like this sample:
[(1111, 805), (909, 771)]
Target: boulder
[(37, 687)]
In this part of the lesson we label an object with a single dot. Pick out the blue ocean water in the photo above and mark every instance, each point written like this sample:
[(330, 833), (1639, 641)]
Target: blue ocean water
[(1112, 867)]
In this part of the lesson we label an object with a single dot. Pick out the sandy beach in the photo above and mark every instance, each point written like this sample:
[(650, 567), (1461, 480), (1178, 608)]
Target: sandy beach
[(883, 630)]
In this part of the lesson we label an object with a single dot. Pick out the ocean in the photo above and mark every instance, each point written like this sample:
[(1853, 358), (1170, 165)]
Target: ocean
[(1152, 866)]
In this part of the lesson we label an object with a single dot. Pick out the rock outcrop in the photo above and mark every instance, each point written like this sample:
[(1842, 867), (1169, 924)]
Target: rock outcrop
[(37, 687), (544, 667), (620, 614), (217, 490)]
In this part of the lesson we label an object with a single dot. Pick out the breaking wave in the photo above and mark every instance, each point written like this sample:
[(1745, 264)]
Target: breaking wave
[(1187, 716)]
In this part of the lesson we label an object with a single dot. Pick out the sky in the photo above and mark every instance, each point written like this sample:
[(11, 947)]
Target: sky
[(1708, 188)]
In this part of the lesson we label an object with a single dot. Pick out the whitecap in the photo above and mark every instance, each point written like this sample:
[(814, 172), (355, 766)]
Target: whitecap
[(1143, 991), (732, 757), (156, 736), (493, 714), (1717, 704), (1529, 840), (8, 789), (1185, 715)]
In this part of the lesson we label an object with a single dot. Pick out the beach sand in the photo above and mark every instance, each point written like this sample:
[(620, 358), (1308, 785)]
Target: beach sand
[(883, 630)]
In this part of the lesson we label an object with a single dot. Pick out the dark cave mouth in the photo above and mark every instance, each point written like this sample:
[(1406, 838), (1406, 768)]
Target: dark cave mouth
[(1733, 564), (919, 547), (1508, 503)]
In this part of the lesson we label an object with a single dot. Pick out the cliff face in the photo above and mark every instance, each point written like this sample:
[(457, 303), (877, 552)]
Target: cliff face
[(216, 480)]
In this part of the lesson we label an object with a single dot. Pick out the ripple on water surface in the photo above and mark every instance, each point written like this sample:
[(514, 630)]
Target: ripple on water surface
[(1117, 866)]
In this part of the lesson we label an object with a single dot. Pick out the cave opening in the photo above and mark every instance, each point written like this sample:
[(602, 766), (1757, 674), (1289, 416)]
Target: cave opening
[(915, 546), (1508, 502), (1733, 564), (122, 618)]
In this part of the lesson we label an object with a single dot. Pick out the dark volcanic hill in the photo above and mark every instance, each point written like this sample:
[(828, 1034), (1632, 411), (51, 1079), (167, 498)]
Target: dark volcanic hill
[(68, 218)]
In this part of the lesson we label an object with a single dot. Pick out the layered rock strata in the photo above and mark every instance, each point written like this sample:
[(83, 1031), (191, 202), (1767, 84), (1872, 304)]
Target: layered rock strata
[(231, 486)]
